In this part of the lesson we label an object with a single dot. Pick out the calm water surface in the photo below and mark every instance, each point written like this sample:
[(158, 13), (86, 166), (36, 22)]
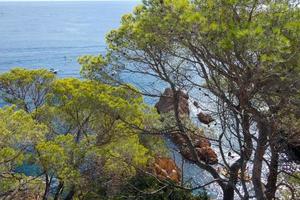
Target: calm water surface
[(54, 34)]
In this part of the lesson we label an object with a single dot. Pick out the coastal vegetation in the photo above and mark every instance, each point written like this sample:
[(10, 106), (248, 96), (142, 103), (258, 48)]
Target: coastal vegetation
[(66, 138), (226, 77)]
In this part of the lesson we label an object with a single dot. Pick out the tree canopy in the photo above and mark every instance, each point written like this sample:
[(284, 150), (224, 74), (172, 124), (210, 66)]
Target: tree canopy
[(239, 59), (19, 136), (83, 136), (93, 138)]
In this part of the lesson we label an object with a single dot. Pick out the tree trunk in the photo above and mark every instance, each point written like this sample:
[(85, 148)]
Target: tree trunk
[(258, 161), (59, 190), (71, 193), (273, 172), (47, 187), (228, 192)]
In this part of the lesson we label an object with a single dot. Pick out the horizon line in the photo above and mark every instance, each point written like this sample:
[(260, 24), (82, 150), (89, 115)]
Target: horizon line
[(7, 1)]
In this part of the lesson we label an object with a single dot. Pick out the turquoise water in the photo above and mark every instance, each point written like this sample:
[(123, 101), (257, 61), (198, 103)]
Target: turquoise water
[(54, 34)]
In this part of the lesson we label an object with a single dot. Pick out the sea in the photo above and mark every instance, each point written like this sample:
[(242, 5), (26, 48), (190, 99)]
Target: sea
[(54, 34)]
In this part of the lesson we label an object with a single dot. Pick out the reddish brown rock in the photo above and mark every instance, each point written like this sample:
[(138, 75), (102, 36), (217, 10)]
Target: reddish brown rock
[(186, 153), (207, 155), (178, 138), (166, 102), (202, 142), (205, 118), (246, 176), (165, 168), (202, 145)]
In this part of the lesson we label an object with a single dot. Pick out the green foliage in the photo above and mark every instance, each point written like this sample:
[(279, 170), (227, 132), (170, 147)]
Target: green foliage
[(246, 50), (87, 133), (25, 88), (56, 158), (94, 127), (104, 123), (92, 67), (148, 188), (295, 178), (223, 31), (81, 105), (19, 133)]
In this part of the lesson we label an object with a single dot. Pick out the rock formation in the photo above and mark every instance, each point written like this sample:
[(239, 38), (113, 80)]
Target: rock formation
[(166, 102), (201, 144), (245, 176), (166, 169), (205, 118)]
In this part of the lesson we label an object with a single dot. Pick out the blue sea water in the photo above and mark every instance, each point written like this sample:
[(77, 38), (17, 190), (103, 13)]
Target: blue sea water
[(54, 34)]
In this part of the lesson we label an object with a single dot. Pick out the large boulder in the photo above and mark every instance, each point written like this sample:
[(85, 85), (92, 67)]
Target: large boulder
[(202, 147), (166, 102), (166, 169)]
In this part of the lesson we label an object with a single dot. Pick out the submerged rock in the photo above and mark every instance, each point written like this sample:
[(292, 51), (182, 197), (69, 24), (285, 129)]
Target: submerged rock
[(196, 104), (205, 118)]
